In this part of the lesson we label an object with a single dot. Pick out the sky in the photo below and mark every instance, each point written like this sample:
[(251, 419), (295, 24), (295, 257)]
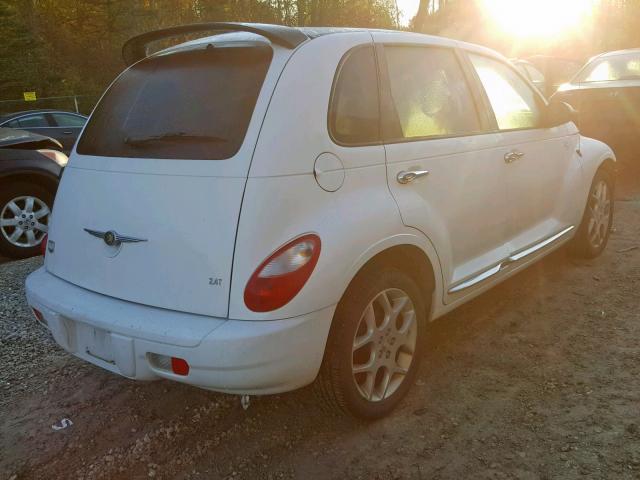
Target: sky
[(408, 9)]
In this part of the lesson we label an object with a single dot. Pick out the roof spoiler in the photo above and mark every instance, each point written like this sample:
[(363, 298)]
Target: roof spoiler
[(135, 48)]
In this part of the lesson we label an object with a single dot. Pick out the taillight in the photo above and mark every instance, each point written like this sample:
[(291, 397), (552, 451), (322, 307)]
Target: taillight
[(281, 276), (43, 245)]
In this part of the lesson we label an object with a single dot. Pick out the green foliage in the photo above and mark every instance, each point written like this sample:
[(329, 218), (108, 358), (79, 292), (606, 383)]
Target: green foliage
[(61, 47)]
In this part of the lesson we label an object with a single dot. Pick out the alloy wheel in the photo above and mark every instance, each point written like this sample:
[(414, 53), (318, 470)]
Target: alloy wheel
[(599, 214), (384, 344), (24, 221)]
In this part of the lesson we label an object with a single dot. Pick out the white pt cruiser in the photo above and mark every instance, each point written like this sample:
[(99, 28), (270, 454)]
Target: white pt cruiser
[(267, 206)]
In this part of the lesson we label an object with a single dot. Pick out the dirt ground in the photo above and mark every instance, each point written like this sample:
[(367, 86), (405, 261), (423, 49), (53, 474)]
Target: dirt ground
[(537, 379)]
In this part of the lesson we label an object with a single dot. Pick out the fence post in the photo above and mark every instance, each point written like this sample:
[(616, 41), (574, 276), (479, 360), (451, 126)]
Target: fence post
[(75, 101)]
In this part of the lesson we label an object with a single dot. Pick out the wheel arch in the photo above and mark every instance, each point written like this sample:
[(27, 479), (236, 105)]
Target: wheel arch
[(595, 155), (43, 180), (609, 164), (409, 252)]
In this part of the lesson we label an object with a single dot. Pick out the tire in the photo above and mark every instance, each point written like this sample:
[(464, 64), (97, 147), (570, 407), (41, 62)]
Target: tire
[(594, 230), (35, 203), (349, 392)]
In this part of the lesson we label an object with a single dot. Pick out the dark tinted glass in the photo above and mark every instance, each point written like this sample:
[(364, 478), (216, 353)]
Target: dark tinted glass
[(354, 114), (64, 120), (430, 93), (33, 121), (186, 105)]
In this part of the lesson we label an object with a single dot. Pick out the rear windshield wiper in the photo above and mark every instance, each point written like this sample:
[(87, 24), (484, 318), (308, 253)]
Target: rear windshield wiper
[(172, 137)]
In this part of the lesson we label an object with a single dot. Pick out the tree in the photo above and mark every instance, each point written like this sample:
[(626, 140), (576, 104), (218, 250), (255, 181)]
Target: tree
[(60, 47)]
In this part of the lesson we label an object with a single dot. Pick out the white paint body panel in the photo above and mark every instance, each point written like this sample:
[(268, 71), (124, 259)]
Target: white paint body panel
[(193, 246), (224, 355)]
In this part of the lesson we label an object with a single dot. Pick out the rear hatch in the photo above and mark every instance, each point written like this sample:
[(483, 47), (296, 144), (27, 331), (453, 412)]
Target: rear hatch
[(163, 161)]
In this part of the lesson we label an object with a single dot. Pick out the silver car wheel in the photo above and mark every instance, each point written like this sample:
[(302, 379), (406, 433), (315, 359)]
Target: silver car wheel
[(24, 221), (599, 214), (384, 344)]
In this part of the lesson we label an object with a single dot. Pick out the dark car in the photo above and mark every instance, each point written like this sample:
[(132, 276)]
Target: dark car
[(63, 126), (30, 168), (606, 94), (556, 70)]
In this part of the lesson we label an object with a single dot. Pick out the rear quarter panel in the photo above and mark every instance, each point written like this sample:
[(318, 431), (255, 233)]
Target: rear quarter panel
[(354, 224), (283, 200)]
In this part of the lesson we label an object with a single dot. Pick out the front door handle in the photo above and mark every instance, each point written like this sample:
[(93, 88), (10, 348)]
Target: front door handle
[(67, 132), (405, 177), (513, 156)]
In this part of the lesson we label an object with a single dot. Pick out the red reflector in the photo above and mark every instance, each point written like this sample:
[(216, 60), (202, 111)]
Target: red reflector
[(38, 315), (43, 245), (179, 366)]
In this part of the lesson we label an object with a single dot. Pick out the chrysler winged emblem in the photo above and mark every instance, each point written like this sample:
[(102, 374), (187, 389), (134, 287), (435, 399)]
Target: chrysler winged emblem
[(113, 238)]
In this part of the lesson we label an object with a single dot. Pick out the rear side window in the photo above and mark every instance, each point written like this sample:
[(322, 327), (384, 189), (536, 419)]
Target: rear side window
[(430, 93), (192, 105), (354, 117), (64, 120)]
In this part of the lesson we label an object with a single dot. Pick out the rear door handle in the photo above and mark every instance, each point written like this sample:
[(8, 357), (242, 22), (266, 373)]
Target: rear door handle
[(67, 132), (405, 177), (513, 156)]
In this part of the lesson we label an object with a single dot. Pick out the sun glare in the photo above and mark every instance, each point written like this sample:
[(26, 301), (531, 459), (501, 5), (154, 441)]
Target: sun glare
[(539, 18)]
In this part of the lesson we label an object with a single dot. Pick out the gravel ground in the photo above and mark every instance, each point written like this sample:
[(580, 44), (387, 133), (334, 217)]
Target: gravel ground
[(21, 340), (537, 379)]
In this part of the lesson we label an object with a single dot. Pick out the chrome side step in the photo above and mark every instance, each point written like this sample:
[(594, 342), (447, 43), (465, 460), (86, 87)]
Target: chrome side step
[(514, 258), (477, 279)]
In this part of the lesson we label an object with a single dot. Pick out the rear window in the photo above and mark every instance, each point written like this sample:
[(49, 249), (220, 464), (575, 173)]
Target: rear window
[(192, 105)]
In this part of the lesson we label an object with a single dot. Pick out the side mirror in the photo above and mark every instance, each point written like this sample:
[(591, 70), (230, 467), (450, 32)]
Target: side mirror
[(558, 113)]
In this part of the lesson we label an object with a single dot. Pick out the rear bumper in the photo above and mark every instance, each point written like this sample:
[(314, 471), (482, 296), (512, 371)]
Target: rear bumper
[(233, 356)]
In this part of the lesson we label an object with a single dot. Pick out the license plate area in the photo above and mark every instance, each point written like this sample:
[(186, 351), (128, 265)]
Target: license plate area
[(97, 343)]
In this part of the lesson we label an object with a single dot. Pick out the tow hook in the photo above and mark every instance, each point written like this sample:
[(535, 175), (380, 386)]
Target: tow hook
[(245, 402)]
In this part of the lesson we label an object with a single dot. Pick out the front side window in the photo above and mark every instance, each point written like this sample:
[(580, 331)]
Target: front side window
[(515, 105), (430, 93), (65, 120), (354, 117), (618, 67), (192, 105)]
